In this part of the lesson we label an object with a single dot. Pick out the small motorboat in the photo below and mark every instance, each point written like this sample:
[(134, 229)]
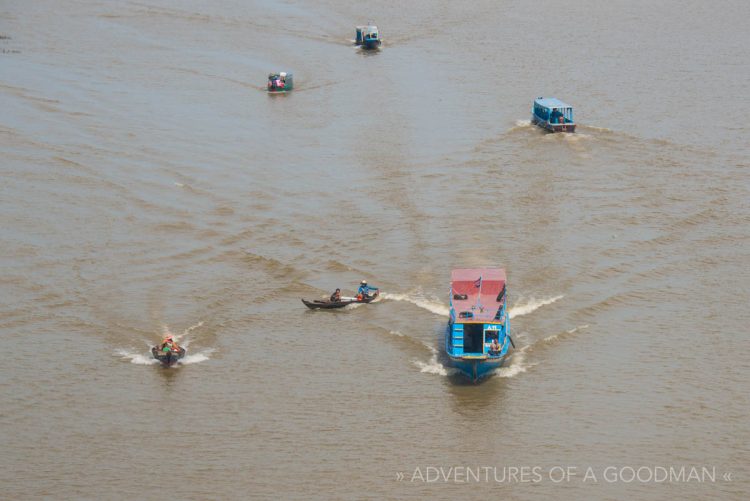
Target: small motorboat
[(280, 82), (318, 304), (368, 37), (168, 358)]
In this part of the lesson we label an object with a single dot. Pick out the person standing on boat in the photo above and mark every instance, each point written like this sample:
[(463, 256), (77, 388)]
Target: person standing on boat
[(336, 296)]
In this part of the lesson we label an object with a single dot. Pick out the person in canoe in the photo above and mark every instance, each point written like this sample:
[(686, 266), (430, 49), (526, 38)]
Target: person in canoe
[(336, 296), (365, 290)]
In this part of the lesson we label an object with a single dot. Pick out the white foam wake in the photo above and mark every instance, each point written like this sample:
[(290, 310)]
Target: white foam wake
[(524, 308), (433, 306), (147, 359), (184, 339), (516, 364), (432, 366), (136, 358), (531, 305), (196, 358), (553, 337)]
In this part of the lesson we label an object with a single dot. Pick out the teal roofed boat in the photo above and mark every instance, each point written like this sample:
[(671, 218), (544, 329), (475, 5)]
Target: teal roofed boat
[(553, 115), (368, 37), (477, 339)]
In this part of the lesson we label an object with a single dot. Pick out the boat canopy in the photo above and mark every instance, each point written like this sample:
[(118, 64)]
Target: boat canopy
[(477, 294), (551, 102)]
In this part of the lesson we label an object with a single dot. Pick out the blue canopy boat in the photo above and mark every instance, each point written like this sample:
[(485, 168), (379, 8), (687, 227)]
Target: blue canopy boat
[(478, 339), (368, 37), (553, 115)]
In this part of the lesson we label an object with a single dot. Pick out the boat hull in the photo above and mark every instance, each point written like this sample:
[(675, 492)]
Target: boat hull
[(568, 127), (318, 304), (476, 369), (273, 90), (167, 359), (371, 44)]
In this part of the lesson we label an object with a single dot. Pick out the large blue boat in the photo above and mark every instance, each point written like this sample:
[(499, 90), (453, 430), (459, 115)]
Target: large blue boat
[(368, 37), (478, 339), (553, 115)]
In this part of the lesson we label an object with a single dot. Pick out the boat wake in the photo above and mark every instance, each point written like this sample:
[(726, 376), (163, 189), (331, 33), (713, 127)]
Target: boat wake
[(524, 307), (431, 305), (515, 365), (595, 128), (433, 366), (519, 125), (136, 358), (561, 335), (141, 358), (531, 305)]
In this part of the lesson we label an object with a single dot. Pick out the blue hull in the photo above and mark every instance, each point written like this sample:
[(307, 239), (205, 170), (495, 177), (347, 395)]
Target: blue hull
[(371, 44), (477, 369)]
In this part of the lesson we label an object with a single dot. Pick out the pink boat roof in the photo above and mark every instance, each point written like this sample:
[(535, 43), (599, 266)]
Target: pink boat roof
[(482, 286)]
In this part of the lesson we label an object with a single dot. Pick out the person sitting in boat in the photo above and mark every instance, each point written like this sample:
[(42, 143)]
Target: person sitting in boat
[(494, 348), (365, 290), (336, 296), (169, 344)]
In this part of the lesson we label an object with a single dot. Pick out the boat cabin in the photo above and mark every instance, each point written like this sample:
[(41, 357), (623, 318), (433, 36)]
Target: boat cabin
[(553, 115), (478, 313), (280, 82)]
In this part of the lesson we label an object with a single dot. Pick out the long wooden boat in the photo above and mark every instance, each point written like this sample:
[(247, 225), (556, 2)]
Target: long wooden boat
[(553, 115), (478, 315), (318, 304)]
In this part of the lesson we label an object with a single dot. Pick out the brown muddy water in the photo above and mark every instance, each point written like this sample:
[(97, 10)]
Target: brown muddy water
[(150, 185)]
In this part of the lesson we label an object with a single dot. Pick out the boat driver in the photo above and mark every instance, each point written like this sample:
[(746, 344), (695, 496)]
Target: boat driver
[(364, 290), (336, 296)]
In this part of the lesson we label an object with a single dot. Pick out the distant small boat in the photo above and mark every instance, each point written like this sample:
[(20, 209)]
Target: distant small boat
[(280, 82), (553, 115), (168, 358), (368, 37), (318, 304), (477, 339)]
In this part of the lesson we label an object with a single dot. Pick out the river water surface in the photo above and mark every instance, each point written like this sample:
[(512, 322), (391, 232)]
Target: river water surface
[(150, 185)]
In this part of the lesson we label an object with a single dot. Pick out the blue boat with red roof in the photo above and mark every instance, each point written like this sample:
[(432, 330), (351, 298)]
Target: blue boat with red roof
[(477, 339)]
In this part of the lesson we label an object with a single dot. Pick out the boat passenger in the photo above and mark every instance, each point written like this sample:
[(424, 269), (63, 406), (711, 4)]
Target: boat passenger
[(169, 344), (494, 347), (336, 296)]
